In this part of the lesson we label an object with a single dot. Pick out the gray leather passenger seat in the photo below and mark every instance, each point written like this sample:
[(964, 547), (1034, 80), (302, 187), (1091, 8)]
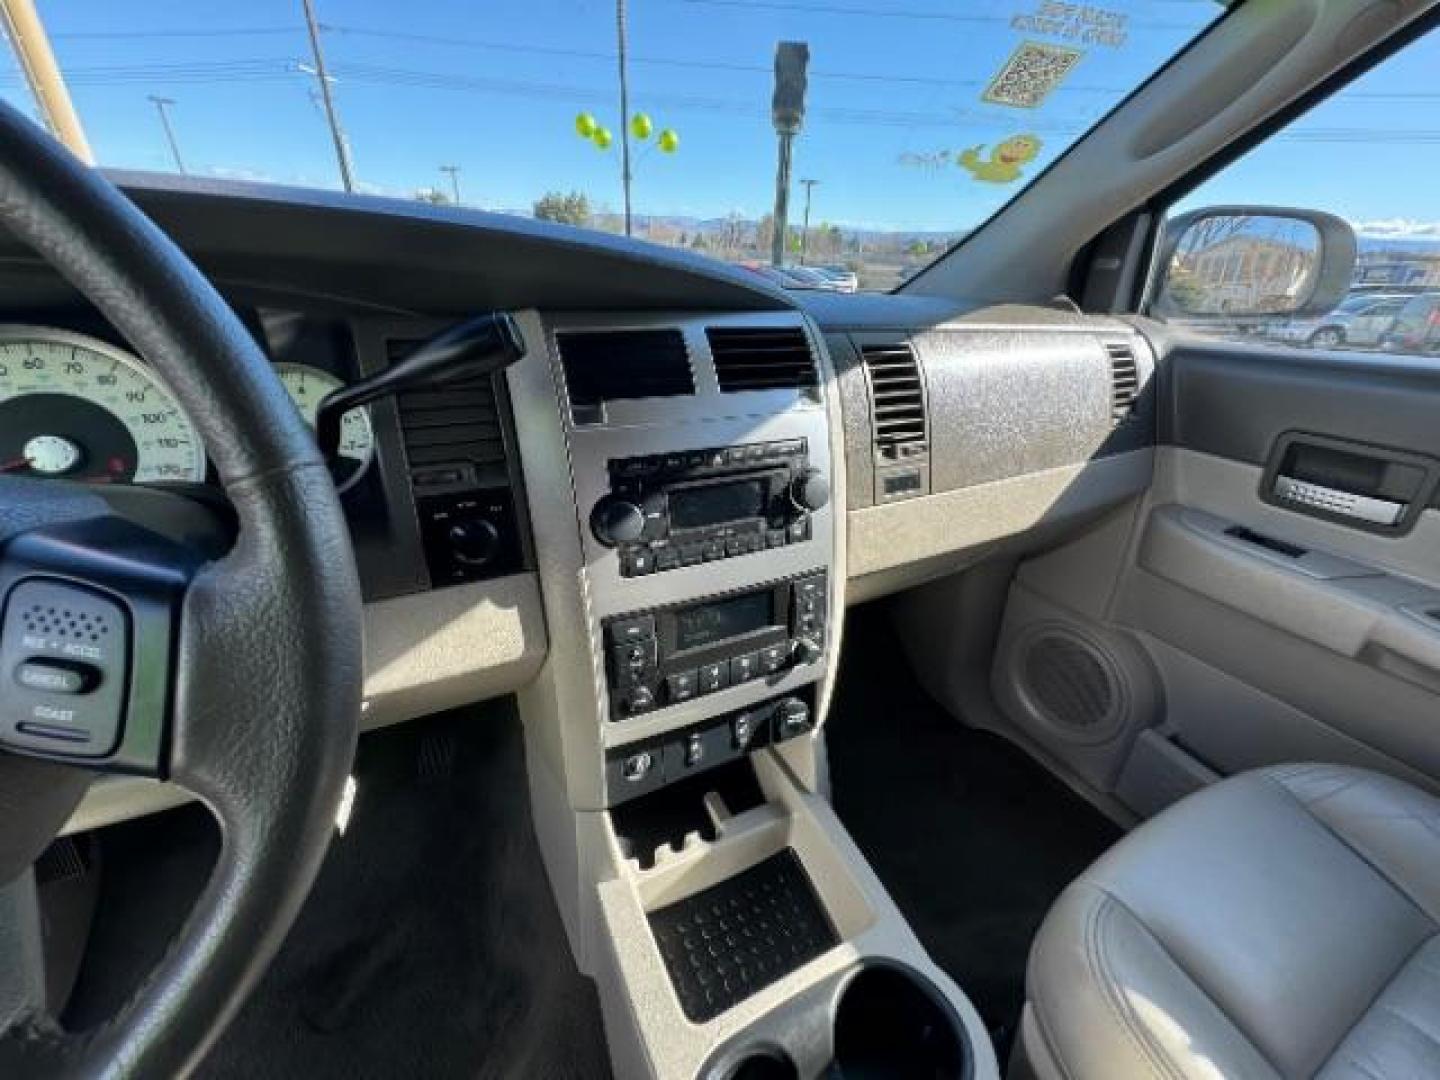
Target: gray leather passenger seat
[(1282, 923)]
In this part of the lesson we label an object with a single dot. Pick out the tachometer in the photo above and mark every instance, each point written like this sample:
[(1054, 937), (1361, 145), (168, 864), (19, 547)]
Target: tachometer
[(78, 408), (307, 386)]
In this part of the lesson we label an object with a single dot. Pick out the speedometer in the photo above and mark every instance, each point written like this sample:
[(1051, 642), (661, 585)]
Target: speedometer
[(77, 408), (307, 386)]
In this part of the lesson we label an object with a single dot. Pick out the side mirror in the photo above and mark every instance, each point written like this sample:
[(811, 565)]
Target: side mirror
[(1226, 263)]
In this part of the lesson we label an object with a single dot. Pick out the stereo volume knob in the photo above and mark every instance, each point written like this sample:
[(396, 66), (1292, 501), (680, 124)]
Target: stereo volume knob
[(615, 521), (809, 490), (474, 542)]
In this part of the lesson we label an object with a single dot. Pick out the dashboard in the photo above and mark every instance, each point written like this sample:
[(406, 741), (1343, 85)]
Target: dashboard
[(648, 528)]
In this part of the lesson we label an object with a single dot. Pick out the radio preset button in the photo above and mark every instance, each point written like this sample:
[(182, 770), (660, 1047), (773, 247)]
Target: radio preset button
[(774, 658), (713, 677), (637, 562), (799, 531), (639, 700), (744, 668), (667, 558), (680, 687), (714, 549)]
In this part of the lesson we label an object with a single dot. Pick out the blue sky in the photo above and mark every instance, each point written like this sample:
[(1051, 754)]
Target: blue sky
[(494, 88)]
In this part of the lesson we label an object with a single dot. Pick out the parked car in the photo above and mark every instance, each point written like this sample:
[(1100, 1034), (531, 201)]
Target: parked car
[(1358, 321), (1416, 329), (845, 280)]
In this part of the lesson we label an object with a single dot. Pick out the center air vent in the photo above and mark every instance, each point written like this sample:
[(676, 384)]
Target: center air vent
[(1124, 381), (761, 359), (618, 365), (458, 425), (897, 400)]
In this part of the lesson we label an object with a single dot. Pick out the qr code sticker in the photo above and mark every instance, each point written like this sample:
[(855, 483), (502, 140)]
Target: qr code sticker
[(1031, 73)]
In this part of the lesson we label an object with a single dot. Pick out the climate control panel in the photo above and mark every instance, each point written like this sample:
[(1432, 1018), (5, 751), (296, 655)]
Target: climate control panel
[(666, 656)]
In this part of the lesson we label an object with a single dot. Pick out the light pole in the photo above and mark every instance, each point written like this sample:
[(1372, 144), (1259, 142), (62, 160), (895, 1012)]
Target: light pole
[(161, 105), (454, 171), (623, 55), (805, 235), (342, 150)]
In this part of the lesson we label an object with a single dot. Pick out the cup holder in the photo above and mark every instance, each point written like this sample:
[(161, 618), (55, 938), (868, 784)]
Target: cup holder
[(765, 1065), (893, 1024)]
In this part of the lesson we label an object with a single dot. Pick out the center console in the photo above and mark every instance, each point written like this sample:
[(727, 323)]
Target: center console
[(689, 531)]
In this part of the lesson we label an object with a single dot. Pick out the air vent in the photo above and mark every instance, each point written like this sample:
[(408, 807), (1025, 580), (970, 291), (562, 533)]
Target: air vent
[(897, 400), (1124, 381), (457, 425), (760, 359), (619, 365)]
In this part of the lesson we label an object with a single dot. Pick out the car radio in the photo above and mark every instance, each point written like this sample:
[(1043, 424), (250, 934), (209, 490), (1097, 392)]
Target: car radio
[(669, 510), (674, 654)]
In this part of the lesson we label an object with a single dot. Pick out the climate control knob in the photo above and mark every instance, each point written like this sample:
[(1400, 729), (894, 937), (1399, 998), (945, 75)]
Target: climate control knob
[(809, 491), (616, 521), (474, 542)]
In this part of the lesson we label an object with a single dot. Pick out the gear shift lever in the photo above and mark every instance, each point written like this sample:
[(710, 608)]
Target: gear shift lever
[(479, 346)]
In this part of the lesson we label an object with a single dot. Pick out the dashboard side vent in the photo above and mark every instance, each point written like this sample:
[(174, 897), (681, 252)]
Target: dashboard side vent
[(457, 425), (1124, 381), (761, 359), (897, 400), (617, 365)]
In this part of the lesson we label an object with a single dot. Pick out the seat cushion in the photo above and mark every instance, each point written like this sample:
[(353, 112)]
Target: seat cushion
[(1282, 923)]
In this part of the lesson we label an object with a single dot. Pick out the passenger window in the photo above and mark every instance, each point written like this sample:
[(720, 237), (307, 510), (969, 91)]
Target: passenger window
[(1364, 155)]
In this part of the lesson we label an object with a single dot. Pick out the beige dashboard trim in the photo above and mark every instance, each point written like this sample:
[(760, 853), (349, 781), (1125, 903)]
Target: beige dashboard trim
[(423, 653), (886, 537)]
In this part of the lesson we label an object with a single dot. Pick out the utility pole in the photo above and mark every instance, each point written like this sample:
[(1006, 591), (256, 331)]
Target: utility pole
[(161, 104), (36, 59), (623, 51), (787, 112), (454, 171), (342, 149), (805, 235)]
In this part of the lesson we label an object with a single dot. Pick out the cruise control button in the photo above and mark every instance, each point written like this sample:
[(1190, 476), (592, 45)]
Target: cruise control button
[(56, 677)]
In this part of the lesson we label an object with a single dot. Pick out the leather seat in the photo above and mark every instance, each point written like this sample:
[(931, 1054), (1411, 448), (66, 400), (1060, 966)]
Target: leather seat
[(1282, 923)]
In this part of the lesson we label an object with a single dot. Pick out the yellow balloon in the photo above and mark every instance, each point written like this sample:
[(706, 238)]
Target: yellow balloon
[(640, 126), (669, 141), (603, 138), (585, 125)]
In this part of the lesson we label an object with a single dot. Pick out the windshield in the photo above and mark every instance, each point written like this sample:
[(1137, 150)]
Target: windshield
[(875, 134)]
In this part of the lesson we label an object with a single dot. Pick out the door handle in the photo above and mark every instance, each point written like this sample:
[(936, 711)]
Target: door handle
[(1345, 504)]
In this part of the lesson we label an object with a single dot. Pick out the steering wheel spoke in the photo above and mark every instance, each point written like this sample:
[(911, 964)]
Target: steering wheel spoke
[(89, 610)]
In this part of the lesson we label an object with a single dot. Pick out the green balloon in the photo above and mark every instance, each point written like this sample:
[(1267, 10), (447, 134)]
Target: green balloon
[(585, 125), (669, 141), (640, 126), (603, 138)]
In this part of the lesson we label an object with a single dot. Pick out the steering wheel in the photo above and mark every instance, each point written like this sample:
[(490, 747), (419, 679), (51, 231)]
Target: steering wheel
[(238, 678)]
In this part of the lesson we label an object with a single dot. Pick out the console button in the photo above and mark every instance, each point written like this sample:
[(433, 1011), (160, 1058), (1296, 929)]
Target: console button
[(637, 562), (792, 717), (694, 749), (627, 631), (775, 538), (743, 730), (57, 676), (714, 549), (637, 766), (755, 542), (744, 668), (680, 687), (639, 700), (799, 531), (715, 458), (691, 554), (667, 558), (774, 658), (713, 677)]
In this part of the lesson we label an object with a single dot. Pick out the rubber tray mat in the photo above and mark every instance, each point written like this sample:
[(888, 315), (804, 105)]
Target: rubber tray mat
[(734, 939)]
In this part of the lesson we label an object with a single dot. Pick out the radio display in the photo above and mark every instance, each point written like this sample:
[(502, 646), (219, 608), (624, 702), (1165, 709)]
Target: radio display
[(713, 504), (705, 624)]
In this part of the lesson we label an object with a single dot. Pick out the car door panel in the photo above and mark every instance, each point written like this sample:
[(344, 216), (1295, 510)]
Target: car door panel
[(1269, 632), (1315, 613)]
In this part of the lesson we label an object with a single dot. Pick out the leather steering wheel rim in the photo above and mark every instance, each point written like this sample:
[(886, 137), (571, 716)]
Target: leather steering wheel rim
[(268, 654)]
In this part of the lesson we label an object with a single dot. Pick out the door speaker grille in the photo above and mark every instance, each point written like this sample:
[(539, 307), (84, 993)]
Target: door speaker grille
[(1071, 685)]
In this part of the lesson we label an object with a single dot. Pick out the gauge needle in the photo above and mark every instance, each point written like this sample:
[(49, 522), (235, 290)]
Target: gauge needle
[(17, 463)]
